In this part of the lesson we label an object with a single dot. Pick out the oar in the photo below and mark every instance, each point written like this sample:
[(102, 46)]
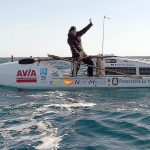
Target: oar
[(53, 57), (59, 58), (70, 58)]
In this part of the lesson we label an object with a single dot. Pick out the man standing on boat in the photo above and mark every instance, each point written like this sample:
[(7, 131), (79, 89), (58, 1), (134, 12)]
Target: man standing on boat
[(74, 41)]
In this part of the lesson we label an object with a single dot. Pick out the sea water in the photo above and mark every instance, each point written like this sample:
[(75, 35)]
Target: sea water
[(93, 119)]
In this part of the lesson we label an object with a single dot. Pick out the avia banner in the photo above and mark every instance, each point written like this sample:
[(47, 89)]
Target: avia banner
[(26, 76)]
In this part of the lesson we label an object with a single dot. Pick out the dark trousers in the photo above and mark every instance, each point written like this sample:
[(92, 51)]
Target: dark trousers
[(89, 62)]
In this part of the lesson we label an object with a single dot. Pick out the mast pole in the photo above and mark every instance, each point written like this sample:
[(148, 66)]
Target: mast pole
[(103, 37)]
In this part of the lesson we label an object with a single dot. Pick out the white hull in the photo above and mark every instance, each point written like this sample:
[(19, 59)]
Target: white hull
[(102, 82), (42, 76)]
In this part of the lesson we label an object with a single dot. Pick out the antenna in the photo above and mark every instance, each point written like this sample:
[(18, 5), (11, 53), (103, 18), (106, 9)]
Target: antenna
[(103, 33)]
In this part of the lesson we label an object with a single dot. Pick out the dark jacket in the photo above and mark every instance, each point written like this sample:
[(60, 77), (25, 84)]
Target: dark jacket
[(75, 41)]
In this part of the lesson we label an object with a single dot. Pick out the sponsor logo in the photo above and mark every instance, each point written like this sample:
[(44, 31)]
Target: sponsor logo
[(93, 83), (43, 71), (56, 82), (68, 81), (115, 81), (43, 74), (55, 73), (26, 76)]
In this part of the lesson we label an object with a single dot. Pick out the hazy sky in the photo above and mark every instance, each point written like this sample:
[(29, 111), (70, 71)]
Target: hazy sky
[(38, 27)]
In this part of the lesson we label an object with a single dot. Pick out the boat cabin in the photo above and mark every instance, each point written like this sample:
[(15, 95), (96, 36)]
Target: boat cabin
[(124, 66)]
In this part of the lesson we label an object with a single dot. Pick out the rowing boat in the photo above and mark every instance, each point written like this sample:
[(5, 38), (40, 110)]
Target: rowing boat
[(110, 71)]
